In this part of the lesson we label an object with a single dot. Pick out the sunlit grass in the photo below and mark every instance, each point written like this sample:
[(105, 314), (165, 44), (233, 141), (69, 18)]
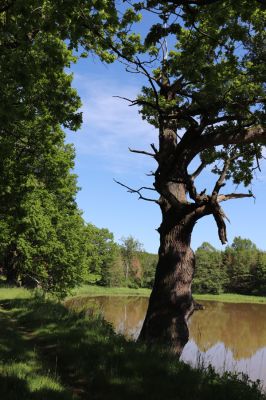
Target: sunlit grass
[(14, 293), (231, 298), (91, 290)]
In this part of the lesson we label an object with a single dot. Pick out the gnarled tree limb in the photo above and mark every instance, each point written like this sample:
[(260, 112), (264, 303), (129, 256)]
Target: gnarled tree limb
[(253, 134), (138, 191), (198, 171), (225, 197)]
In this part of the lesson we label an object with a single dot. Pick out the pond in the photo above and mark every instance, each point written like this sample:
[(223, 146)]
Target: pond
[(231, 337)]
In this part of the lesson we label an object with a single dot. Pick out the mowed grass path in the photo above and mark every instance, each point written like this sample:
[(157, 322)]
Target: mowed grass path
[(50, 353), (23, 373)]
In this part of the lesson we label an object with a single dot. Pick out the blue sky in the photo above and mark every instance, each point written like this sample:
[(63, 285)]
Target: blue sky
[(110, 126)]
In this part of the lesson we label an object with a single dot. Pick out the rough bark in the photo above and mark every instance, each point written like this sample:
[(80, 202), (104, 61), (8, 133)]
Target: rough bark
[(171, 302)]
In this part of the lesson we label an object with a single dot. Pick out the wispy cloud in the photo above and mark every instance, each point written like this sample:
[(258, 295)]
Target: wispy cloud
[(110, 126)]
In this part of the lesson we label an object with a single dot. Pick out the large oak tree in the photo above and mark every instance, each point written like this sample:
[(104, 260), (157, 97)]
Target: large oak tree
[(204, 63)]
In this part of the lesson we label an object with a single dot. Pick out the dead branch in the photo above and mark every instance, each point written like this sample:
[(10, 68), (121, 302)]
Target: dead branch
[(220, 182), (150, 79), (151, 174), (138, 191), (142, 152), (154, 148), (198, 170), (139, 102), (225, 197)]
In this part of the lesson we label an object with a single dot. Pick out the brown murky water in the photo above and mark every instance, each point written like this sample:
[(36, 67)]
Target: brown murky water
[(228, 336)]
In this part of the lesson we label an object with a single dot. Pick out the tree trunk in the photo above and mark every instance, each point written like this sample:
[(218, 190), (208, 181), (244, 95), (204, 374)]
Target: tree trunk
[(171, 302), (11, 275), (11, 267)]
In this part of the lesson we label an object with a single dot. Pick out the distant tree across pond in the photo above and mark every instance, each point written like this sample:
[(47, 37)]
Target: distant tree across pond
[(241, 268)]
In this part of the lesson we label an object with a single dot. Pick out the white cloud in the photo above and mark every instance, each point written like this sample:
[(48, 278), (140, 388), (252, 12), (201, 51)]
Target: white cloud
[(110, 126)]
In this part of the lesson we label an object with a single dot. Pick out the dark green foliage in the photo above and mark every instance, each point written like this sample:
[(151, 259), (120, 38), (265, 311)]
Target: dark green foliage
[(241, 260), (148, 263), (210, 276), (42, 238), (42, 241), (259, 275), (241, 268), (110, 264), (101, 253)]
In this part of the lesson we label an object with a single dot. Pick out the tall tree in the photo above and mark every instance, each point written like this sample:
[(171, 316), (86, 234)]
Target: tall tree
[(204, 62), (101, 252), (42, 233), (129, 249), (241, 263), (210, 276)]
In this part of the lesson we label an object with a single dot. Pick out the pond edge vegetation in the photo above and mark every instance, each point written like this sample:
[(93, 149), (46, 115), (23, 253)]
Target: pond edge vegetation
[(50, 352)]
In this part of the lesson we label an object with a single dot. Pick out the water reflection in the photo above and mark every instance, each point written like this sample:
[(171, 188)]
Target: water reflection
[(228, 336)]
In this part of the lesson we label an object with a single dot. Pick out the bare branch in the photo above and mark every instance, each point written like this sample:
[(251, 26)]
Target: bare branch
[(139, 102), (198, 170), (146, 73), (142, 152), (154, 148), (124, 98), (220, 182), (138, 191), (225, 197)]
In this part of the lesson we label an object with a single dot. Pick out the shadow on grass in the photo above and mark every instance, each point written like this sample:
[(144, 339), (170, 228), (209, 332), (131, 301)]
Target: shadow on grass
[(94, 363), (23, 376)]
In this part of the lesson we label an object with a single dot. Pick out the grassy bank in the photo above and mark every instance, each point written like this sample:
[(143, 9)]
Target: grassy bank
[(91, 290), (48, 352), (232, 298)]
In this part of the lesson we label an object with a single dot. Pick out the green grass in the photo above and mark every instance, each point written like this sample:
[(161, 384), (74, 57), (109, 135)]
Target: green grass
[(90, 290), (13, 293), (231, 298), (49, 353)]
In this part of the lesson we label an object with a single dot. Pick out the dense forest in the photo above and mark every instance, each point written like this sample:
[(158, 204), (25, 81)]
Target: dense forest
[(240, 268)]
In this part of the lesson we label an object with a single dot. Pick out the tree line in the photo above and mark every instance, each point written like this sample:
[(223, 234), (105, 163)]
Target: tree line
[(240, 268)]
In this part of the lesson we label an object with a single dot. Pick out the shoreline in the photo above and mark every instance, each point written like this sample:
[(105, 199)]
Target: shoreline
[(93, 290)]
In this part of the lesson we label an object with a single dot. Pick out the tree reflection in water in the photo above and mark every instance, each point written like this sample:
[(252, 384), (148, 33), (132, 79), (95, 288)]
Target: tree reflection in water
[(228, 336)]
